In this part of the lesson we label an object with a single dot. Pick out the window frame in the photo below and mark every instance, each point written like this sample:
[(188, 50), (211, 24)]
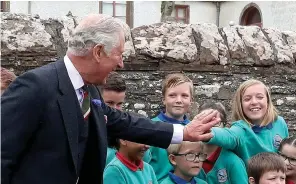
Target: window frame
[(186, 9), (246, 13), (5, 6), (128, 12)]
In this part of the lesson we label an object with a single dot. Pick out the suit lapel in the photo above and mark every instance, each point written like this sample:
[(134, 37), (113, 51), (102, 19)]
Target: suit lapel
[(98, 119), (70, 109)]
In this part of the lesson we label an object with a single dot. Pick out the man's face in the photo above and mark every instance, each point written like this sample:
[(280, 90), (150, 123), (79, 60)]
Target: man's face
[(109, 63), (114, 99)]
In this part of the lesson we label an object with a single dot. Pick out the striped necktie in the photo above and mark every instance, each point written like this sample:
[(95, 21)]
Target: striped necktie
[(85, 107)]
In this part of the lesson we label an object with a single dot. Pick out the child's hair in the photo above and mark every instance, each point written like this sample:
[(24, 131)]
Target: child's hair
[(264, 162), (175, 148), (237, 111), (216, 106), (6, 78), (176, 79), (114, 82), (289, 140)]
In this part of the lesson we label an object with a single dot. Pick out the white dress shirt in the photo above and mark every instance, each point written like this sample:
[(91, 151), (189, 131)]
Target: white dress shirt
[(78, 83)]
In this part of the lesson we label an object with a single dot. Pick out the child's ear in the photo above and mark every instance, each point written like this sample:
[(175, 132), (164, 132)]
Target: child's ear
[(251, 180), (122, 142), (172, 159)]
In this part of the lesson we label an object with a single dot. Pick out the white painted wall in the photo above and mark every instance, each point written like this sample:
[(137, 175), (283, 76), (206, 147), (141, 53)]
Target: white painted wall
[(204, 12), (55, 9), (276, 14), (146, 12), (19, 7)]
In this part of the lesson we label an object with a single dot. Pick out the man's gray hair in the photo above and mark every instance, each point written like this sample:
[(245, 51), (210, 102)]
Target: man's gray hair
[(105, 30)]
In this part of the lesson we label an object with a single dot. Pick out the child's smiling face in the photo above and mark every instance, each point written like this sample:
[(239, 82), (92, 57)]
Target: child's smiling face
[(254, 103)]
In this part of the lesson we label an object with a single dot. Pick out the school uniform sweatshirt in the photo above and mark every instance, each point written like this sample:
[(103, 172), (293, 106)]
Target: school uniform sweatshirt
[(247, 141), (159, 157), (228, 169), (121, 171)]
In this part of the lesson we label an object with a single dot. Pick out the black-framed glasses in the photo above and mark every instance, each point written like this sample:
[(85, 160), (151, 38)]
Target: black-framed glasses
[(191, 157), (292, 161)]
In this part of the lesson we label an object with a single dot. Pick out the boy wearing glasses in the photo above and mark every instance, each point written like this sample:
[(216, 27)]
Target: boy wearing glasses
[(187, 159), (221, 165), (287, 150)]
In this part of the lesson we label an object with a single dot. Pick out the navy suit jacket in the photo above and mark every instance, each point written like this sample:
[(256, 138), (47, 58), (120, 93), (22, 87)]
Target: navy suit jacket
[(40, 115)]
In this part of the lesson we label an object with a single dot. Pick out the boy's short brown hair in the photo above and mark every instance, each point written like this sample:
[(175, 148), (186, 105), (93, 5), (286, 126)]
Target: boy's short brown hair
[(265, 162), (216, 106), (114, 82), (176, 79)]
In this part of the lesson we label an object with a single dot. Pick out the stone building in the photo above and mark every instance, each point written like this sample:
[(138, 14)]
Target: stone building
[(276, 14)]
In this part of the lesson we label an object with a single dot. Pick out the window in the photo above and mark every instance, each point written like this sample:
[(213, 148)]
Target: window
[(182, 13), (5, 6), (120, 9), (251, 16)]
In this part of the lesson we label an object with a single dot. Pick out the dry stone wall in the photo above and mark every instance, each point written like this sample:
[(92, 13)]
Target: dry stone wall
[(216, 59)]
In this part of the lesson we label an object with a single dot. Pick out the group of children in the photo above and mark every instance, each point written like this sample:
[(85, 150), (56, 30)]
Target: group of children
[(256, 148)]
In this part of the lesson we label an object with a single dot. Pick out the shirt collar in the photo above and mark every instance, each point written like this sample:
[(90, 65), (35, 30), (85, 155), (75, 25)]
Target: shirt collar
[(167, 119), (129, 164), (179, 180), (74, 75), (258, 129)]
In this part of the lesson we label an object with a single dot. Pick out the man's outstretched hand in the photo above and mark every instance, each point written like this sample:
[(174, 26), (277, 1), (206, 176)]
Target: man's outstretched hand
[(199, 128)]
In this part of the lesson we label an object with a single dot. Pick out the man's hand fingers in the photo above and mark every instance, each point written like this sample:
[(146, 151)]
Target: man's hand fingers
[(209, 117), (203, 114), (207, 126), (205, 137)]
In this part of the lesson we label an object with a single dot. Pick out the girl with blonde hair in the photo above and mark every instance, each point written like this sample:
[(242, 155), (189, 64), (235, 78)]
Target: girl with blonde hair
[(256, 126)]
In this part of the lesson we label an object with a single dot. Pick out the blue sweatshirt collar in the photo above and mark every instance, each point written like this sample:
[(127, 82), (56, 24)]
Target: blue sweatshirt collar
[(258, 129), (179, 180), (167, 119)]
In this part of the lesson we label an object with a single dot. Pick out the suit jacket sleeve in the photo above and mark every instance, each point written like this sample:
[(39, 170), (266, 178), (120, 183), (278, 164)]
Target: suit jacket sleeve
[(137, 129), (21, 107)]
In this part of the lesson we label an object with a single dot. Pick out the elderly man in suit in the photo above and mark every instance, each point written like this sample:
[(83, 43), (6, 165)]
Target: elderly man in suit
[(53, 128)]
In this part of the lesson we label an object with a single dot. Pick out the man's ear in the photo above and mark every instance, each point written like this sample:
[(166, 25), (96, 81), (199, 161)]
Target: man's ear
[(98, 52), (172, 159), (251, 180)]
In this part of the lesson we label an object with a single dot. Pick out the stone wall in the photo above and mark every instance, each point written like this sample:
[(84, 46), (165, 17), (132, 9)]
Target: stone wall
[(217, 60)]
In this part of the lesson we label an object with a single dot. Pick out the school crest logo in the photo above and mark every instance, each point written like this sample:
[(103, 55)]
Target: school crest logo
[(222, 175), (277, 141)]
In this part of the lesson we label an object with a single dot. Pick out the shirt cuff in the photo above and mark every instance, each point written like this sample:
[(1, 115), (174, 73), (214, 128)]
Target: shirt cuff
[(178, 134)]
